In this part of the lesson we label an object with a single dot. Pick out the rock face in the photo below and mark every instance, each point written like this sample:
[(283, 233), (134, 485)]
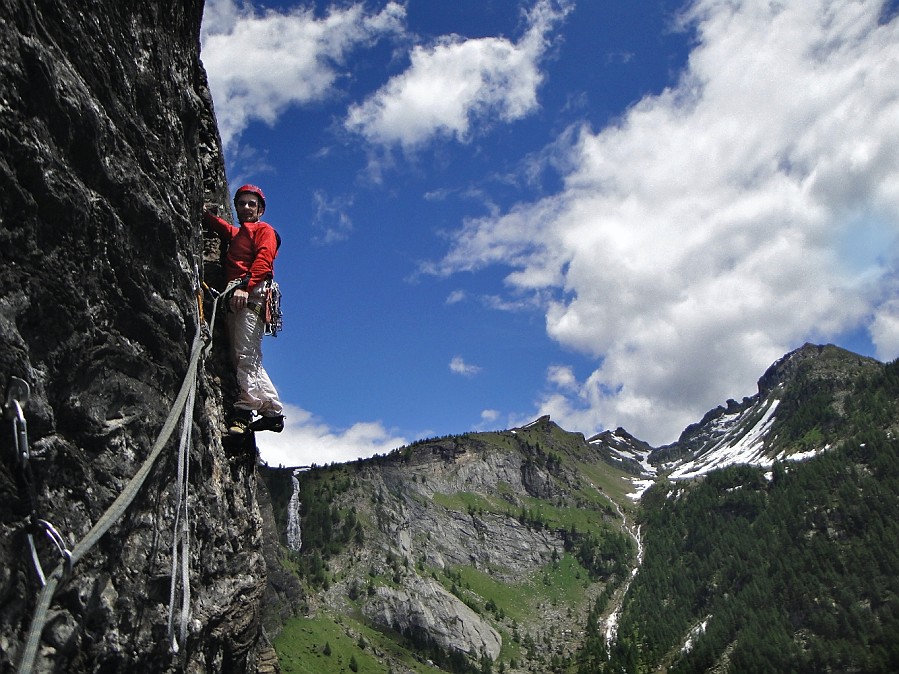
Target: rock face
[(424, 609), (418, 534), (108, 149), (448, 538)]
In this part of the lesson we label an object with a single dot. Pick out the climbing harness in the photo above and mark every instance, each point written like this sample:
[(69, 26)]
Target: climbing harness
[(269, 310), (217, 298), (183, 406)]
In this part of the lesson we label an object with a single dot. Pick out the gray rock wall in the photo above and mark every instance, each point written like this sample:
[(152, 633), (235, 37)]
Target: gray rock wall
[(400, 498), (423, 608), (108, 148)]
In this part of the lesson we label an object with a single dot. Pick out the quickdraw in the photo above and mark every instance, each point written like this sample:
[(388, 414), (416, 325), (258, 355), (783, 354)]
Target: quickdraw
[(17, 396), (274, 320)]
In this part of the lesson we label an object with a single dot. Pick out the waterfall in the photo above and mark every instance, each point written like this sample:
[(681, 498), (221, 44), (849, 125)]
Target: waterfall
[(610, 623), (294, 537)]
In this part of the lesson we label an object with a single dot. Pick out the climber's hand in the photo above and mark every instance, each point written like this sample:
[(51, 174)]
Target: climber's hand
[(239, 299)]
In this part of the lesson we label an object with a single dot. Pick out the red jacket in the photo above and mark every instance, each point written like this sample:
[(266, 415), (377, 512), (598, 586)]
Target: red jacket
[(252, 248)]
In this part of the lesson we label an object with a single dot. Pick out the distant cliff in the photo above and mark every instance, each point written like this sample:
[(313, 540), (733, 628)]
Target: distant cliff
[(108, 149), (460, 554)]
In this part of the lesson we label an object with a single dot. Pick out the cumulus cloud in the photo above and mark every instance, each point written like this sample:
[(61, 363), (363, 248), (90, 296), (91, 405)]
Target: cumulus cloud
[(456, 81), (459, 366), (305, 440), (259, 64), (885, 329), (562, 377), (489, 420), (719, 224)]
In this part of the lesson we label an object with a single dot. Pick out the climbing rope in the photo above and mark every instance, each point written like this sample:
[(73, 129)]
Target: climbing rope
[(184, 403), (181, 533), (180, 529)]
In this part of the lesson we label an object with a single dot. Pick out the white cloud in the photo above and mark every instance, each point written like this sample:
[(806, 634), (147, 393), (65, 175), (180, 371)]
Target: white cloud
[(885, 330), (721, 223), (561, 376), (306, 440), (455, 297), (459, 366), (456, 81), (260, 64), (331, 220), (489, 415), (488, 422)]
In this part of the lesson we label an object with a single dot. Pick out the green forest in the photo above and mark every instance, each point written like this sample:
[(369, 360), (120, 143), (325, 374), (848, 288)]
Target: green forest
[(796, 574), (795, 569)]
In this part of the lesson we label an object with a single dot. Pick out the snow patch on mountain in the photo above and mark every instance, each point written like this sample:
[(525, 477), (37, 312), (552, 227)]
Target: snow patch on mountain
[(622, 447), (735, 447), (640, 486)]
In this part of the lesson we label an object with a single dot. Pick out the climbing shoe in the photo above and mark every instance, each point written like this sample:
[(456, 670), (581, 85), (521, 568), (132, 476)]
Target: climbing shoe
[(275, 423), (239, 425)]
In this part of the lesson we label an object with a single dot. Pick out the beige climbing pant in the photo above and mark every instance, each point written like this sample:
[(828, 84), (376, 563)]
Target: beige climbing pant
[(245, 328)]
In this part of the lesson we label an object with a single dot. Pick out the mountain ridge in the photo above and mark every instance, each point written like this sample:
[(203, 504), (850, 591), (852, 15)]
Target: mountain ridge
[(747, 431), (539, 509)]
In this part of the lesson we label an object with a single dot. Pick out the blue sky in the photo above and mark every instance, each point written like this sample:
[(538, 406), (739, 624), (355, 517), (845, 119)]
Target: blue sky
[(615, 212)]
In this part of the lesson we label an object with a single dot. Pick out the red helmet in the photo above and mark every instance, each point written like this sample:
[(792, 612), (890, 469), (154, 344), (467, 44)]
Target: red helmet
[(252, 189)]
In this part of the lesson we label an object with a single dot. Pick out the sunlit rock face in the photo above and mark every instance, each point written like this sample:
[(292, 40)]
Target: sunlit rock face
[(108, 149)]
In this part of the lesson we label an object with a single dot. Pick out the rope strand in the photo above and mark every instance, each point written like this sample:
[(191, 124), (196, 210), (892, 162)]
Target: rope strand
[(181, 532)]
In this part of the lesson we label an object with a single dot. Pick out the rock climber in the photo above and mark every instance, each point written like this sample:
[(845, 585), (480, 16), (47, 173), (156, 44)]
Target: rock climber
[(252, 248)]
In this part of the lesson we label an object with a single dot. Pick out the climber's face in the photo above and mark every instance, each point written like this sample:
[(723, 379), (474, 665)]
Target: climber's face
[(247, 207)]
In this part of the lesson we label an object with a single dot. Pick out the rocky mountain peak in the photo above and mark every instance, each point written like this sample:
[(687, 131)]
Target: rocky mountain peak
[(818, 361), (621, 448), (763, 427)]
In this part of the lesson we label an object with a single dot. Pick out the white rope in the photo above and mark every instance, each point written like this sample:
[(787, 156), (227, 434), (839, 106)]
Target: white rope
[(181, 531)]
